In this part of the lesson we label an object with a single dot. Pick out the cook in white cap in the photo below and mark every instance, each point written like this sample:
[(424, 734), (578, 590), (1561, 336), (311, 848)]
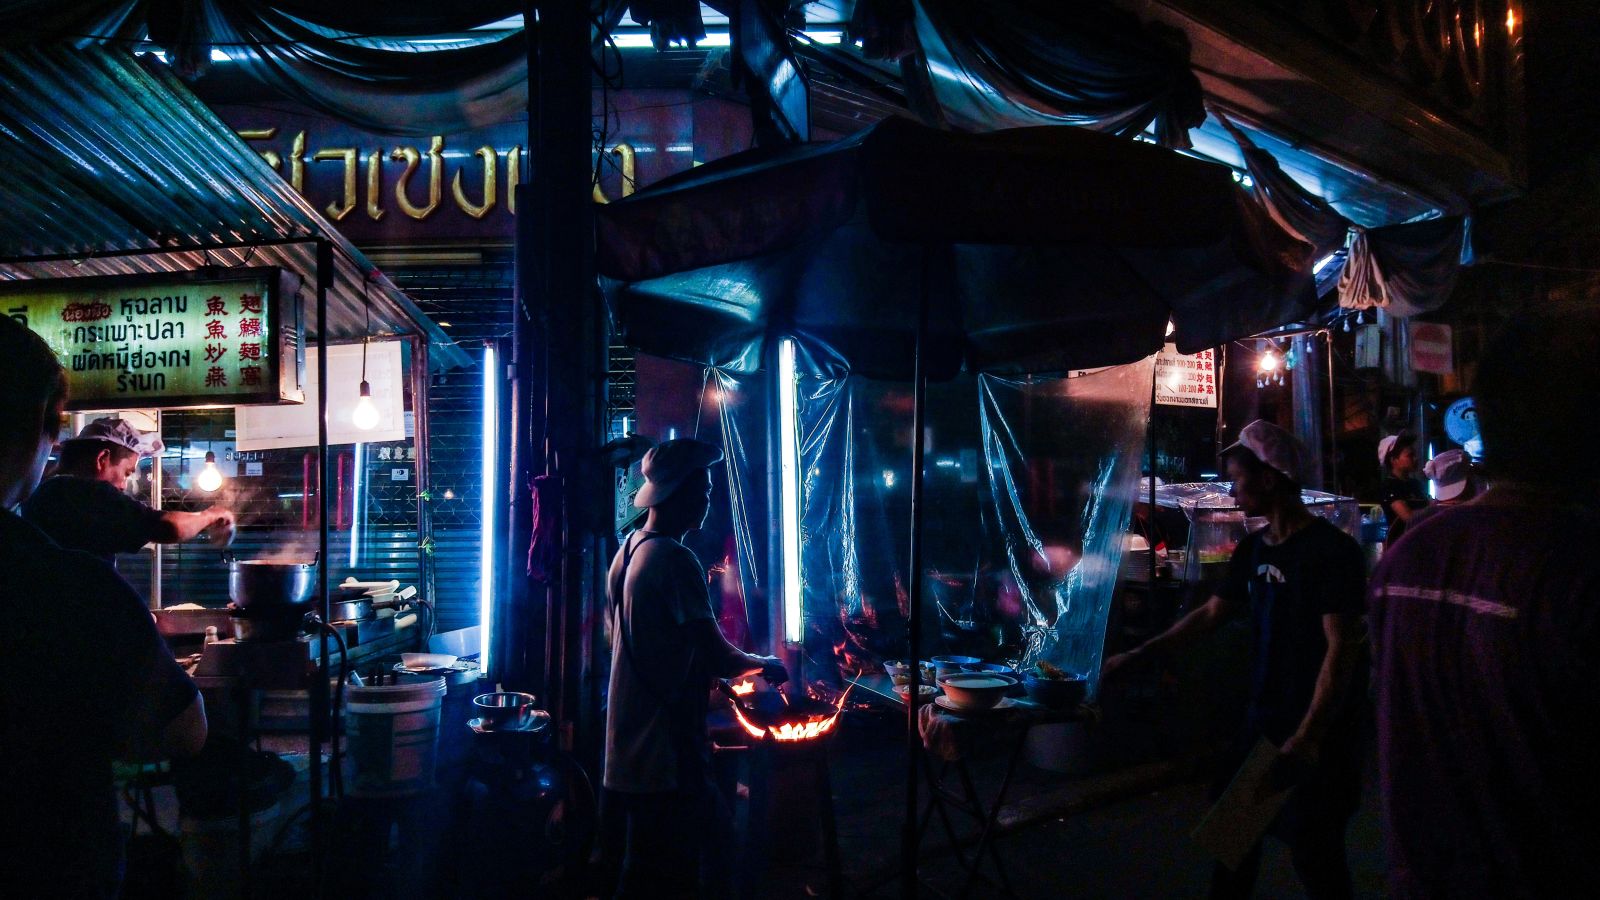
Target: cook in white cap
[(666, 650), (1300, 581), (1403, 495), (83, 507)]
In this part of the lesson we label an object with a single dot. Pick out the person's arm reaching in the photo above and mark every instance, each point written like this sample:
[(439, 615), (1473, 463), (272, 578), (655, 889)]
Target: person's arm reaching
[(1343, 634), (1200, 622), (176, 527), (1402, 510), (728, 661)]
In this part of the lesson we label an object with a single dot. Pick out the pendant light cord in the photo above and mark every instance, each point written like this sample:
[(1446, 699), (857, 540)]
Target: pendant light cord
[(366, 338)]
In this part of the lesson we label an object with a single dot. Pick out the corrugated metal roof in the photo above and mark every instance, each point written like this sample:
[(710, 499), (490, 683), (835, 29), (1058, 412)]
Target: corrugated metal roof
[(104, 153)]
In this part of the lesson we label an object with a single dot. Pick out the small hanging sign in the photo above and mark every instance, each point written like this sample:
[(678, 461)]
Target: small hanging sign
[(1186, 380)]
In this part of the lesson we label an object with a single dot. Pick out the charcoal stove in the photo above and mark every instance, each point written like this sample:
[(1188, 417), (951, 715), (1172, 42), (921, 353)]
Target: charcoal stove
[(791, 791)]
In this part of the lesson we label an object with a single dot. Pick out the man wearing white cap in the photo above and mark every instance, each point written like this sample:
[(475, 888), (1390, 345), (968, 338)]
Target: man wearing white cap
[(1403, 496), (665, 652), (83, 506), (1454, 483), (1301, 581)]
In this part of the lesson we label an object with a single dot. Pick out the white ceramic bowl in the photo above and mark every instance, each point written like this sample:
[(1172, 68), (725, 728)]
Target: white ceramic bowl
[(427, 660), (976, 690)]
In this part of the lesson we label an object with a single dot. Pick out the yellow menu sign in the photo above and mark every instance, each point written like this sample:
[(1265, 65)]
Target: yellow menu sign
[(164, 341)]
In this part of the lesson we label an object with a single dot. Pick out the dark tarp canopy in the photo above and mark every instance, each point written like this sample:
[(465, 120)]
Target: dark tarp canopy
[(1046, 249)]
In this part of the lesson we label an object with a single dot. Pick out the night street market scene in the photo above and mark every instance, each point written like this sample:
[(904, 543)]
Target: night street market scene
[(755, 449)]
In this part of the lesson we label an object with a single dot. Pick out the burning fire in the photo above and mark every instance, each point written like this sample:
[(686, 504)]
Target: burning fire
[(812, 728)]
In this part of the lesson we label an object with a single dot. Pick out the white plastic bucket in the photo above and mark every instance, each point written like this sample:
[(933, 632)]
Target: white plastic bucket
[(392, 737)]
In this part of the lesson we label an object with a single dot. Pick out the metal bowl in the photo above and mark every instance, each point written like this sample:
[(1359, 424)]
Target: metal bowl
[(504, 709), (950, 665)]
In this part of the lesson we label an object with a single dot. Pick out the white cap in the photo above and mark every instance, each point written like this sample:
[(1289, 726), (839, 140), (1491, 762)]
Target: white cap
[(1273, 446), (1450, 472)]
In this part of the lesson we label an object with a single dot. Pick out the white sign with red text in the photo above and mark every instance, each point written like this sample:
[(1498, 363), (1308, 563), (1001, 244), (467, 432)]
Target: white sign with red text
[(1186, 380)]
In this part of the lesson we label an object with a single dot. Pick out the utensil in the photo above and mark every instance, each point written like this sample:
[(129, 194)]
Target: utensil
[(504, 709), (351, 584), (350, 609), (262, 582), (976, 690)]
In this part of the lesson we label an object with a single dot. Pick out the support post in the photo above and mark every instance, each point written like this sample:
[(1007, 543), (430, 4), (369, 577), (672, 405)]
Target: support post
[(564, 301), (919, 401), (318, 700)]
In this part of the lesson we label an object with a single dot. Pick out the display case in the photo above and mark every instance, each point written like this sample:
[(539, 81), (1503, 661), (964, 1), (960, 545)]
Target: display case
[(1217, 524)]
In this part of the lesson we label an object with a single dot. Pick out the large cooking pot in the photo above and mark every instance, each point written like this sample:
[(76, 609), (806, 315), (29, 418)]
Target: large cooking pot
[(263, 582)]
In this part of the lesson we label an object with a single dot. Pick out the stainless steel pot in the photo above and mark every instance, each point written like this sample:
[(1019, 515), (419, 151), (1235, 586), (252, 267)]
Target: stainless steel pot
[(261, 582), (351, 609)]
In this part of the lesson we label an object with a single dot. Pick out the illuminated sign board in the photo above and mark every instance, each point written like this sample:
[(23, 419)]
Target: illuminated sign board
[(1186, 380), (166, 341)]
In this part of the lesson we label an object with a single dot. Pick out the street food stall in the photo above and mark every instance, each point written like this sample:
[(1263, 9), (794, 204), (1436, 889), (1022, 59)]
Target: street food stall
[(186, 288)]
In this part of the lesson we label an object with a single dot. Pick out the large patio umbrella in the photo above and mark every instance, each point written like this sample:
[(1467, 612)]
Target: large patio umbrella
[(903, 252)]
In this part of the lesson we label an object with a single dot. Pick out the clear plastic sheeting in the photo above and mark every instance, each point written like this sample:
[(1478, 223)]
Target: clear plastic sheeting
[(1196, 497), (1029, 489)]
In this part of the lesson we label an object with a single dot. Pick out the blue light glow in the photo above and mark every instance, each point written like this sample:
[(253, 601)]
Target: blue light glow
[(486, 514)]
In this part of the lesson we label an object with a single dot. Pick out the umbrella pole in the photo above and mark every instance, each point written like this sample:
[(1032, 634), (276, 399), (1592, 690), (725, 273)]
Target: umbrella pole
[(914, 618)]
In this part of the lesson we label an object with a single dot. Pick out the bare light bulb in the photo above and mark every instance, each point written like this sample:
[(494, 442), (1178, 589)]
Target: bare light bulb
[(1269, 362), (365, 415), (210, 477)]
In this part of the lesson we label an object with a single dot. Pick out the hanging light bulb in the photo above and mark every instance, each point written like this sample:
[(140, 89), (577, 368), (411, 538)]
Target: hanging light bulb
[(365, 415), (1268, 362), (210, 477)]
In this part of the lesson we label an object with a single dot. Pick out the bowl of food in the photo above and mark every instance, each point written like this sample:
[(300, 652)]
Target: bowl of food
[(925, 691), (976, 690), (950, 665), (900, 672), (1049, 685)]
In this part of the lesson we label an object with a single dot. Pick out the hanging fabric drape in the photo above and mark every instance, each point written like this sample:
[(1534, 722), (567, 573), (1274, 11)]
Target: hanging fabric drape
[(1011, 63), (1404, 269), (1298, 211)]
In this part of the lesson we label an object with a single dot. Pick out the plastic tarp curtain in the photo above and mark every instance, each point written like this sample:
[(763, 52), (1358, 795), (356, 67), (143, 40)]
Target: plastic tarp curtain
[(1044, 62), (1030, 486), (1405, 269)]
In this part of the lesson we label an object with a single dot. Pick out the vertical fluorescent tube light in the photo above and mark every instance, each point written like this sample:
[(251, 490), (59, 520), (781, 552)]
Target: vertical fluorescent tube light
[(486, 516), (360, 465), (789, 490)]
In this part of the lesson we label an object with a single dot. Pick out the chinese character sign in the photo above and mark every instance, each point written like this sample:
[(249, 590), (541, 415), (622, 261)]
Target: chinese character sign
[(158, 341), (1187, 380)]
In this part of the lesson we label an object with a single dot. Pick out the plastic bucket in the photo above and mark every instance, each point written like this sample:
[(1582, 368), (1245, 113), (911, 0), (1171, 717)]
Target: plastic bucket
[(392, 737)]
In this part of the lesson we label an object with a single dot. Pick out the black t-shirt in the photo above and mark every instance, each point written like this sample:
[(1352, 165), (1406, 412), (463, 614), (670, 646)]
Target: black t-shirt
[(92, 516), (1288, 588), (1407, 490), (91, 680)]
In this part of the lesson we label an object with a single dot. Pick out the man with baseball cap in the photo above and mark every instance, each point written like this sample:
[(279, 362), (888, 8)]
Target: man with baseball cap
[(83, 507), (665, 652), (1403, 495), (1301, 581), (1454, 483)]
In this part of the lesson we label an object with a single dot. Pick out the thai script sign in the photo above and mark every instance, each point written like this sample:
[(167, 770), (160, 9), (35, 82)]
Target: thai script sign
[(1186, 380), (160, 340)]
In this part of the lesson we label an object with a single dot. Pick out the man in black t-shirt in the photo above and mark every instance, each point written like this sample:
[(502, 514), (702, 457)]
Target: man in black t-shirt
[(91, 679), (1301, 581), (84, 508)]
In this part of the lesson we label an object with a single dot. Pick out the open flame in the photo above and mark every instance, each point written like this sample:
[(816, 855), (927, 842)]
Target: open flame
[(813, 727)]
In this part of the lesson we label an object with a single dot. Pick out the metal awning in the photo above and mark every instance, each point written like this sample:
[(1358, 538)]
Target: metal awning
[(107, 153)]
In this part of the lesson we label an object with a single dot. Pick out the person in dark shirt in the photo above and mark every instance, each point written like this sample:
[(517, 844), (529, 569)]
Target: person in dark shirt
[(1486, 629), (1454, 483), (84, 508), (1403, 495), (115, 691), (1301, 581)]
